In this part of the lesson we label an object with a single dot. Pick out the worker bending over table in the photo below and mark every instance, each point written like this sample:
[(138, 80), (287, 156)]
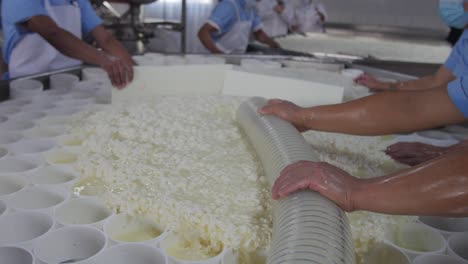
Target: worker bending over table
[(437, 186), (277, 16), (230, 25), (46, 35)]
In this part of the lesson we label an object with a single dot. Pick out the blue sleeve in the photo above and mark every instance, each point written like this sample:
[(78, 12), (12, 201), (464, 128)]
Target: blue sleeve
[(458, 93), (223, 16), (89, 18), (21, 10), (257, 23), (454, 57)]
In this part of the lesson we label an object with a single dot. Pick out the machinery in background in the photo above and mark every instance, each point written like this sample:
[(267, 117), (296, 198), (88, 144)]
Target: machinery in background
[(131, 28)]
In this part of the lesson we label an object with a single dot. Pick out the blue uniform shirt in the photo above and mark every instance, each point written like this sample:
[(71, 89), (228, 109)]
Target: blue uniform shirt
[(224, 16), (14, 12), (457, 63)]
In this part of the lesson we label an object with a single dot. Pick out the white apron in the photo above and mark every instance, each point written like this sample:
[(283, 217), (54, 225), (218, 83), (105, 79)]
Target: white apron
[(236, 39), (308, 18), (33, 54), (274, 24)]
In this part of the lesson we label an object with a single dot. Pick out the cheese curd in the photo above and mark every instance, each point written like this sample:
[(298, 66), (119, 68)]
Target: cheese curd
[(183, 162)]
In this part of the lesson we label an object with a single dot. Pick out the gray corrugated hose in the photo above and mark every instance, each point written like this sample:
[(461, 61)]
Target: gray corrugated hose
[(307, 228)]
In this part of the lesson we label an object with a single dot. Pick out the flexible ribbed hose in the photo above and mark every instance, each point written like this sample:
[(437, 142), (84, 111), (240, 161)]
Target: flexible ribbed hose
[(307, 228)]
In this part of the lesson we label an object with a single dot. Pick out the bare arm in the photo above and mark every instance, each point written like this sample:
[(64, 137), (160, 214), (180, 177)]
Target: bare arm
[(261, 36), (64, 41), (437, 187), (441, 78), (379, 114), (71, 46), (109, 44), (204, 34)]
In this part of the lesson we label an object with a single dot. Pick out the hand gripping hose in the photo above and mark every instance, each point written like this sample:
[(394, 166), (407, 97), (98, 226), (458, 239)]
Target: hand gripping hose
[(307, 227)]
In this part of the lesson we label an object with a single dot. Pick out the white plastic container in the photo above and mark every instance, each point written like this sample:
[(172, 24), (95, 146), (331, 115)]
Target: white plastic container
[(179, 254), (415, 239), (88, 87), (75, 103), (123, 228), (447, 226), (45, 97), (31, 146), (15, 255), (142, 60), (63, 111), (9, 137), (25, 88), (27, 116), (54, 121), (63, 82), (82, 211), (37, 198), (13, 165), (70, 140), (60, 157), (58, 176), (382, 253), (16, 102), (7, 109), (3, 152), (131, 253), (175, 60), (352, 73), (458, 246), (78, 244), (215, 60), (10, 185), (437, 259), (195, 59), (3, 208), (93, 73), (21, 229), (15, 125), (44, 132), (38, 106), (435, 134)]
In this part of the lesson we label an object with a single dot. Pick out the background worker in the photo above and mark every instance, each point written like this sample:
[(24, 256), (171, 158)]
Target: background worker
[(46, 35), (230, 25)]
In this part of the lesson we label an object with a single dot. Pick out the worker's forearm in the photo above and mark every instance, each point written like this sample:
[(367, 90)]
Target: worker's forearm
[(424, 83), (262, 37), (113, 47), (437, 187), (208, 42), (383, 113), (71, 46)]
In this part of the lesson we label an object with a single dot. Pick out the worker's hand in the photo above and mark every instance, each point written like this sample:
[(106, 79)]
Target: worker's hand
[(414, 153), (295, 28), (285, 110), (275, 45), (120, 71), (278, 9), (371, 82), (326, 179)]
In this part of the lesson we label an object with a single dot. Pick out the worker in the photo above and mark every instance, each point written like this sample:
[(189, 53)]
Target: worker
[(414, 153), (455, 14), (46, 35), (435, 186), (277, 16), (230, 25), (310, 16)]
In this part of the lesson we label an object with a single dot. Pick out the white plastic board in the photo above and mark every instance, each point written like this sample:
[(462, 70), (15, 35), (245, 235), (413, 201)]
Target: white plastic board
[(303, 93), (176, 80)]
